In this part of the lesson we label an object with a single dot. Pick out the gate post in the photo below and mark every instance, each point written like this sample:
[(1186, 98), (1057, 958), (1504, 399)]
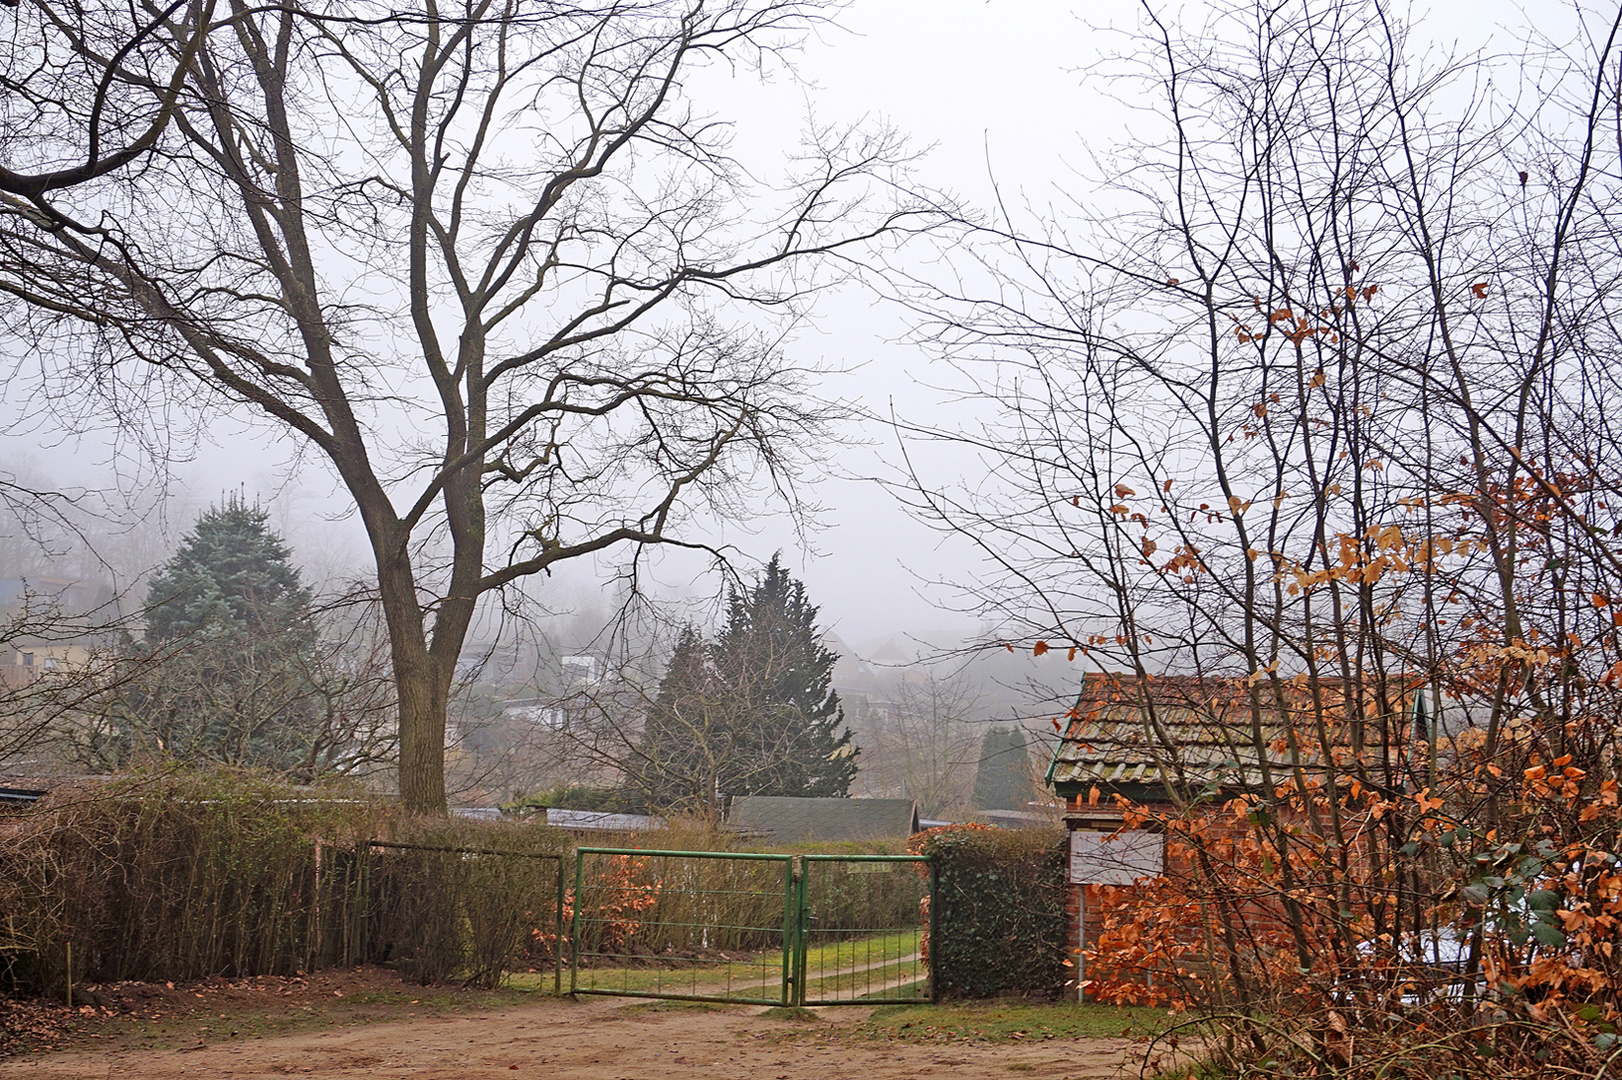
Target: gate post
[(791, 923), (574, 923), (934, 941), (557, 934), (801, 931)]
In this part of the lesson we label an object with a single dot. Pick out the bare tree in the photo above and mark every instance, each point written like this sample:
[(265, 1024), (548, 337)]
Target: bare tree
[(94, 118), (1320, 419), (489, 264), (923, 740), (53, 663)]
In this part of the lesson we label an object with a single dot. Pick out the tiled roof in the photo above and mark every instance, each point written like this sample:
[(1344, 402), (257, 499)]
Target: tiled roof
[(1184, 731)]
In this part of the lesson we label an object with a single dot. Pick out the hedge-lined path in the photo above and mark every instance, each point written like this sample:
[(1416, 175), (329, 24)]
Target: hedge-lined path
[(598, 1039)]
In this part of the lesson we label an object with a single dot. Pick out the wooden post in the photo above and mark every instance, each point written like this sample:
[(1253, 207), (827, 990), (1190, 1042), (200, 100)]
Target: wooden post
[(1081, 942), (70, 974)]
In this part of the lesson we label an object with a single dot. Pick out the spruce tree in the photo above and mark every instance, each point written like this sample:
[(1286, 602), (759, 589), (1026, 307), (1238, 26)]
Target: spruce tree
[(230, 573), (754, 711), (231, 649)]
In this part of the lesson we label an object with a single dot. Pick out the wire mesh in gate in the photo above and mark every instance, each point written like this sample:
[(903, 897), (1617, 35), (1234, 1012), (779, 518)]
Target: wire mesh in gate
[(692, 925), (863, 933), (442, 912)]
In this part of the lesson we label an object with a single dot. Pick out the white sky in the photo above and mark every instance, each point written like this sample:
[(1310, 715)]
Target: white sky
[(981, 82)]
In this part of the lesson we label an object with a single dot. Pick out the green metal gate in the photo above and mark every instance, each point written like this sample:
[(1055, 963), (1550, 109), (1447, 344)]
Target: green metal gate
[(863, 930), (752, 928)]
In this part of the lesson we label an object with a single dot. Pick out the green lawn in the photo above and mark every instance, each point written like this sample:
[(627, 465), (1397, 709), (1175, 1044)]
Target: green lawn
[(1012, 1022), (758, 975), (833, 955)]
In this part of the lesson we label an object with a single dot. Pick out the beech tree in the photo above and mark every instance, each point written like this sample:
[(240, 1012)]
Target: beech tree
[(489, 264), (1308, 444)]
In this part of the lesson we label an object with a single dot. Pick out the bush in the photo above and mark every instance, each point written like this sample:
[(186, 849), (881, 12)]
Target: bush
[(178, 877), (999, 911), (463, 900), (224, 873)]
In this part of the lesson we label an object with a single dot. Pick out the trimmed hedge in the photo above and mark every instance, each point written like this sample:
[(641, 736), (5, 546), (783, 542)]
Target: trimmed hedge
[(999, 912), (194, 874), (157, 876)]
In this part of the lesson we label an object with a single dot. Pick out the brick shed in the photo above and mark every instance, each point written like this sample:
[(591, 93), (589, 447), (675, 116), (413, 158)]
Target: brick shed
[(1143, 740)]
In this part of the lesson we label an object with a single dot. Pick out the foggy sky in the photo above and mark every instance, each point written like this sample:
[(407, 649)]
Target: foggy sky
[(994, 90)]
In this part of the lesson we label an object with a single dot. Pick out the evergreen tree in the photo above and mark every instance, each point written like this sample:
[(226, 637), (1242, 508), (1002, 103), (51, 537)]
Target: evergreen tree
[(753, 712), (231, 650), (688, 737), (231, 573), (1003, 780)]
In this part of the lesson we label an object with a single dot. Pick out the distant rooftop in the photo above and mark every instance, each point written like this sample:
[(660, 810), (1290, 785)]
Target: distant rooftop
[(790, 820)]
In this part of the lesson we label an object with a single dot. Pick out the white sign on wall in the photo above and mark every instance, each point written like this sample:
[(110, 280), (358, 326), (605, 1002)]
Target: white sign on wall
[(1101, 858)]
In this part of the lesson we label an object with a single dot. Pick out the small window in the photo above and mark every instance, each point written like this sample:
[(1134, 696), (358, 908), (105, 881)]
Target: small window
[(28, 659)]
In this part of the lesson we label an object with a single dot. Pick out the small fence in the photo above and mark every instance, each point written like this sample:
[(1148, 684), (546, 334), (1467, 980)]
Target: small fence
[(749, 928), (471, 913)]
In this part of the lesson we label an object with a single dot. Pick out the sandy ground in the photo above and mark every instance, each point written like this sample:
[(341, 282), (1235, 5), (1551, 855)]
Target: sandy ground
[(597, 1039)]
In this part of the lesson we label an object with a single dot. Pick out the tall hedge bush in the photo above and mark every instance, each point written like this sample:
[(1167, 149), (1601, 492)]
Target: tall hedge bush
[(196, 874), (999, 912), (177, 877), (463, 900)]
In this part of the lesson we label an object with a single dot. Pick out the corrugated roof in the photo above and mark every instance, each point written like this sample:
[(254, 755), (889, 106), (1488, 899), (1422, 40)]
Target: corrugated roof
[(1186, 731), (790, 820)]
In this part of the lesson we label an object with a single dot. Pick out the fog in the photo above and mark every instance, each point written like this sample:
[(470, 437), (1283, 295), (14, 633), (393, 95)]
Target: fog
[(1005, 103)]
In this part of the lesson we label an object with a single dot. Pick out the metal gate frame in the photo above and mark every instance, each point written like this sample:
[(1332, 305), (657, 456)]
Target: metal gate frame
[(796, 929), (363, 884), (803, 930)]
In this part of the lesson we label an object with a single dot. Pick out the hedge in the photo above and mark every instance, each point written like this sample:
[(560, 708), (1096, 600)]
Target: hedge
[(999, 912)]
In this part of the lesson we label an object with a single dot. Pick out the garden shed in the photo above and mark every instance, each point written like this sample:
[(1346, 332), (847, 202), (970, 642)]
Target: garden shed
[(1144, 741)]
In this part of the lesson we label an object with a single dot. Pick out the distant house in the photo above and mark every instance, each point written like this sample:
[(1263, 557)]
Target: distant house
[(592, 826), (788, 820), (1017, 819), (56, 630)]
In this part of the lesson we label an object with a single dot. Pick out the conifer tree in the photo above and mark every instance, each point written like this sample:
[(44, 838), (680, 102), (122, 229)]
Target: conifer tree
[(686, 740), (754, 711), (232, 648), (1003, 780), (231, 572)]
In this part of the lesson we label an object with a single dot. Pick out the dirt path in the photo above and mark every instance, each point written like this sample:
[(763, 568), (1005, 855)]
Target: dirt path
[(596, 1039)]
